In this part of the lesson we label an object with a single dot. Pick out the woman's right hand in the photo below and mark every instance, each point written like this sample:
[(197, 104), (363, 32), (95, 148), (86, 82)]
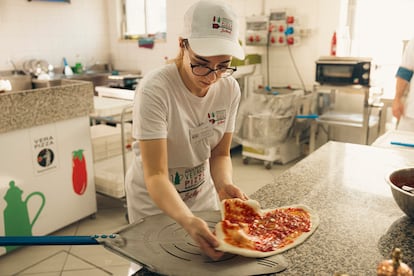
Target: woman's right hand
[(201, 234), (397, 108)]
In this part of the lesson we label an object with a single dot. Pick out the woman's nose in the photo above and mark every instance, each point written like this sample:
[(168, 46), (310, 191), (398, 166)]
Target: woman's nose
[(212, 75)]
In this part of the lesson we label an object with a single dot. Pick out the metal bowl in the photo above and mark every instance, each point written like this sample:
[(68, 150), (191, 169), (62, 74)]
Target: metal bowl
[(404, 199)]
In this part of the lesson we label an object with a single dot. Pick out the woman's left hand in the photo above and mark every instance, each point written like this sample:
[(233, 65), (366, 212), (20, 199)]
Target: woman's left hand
[(231, 191)]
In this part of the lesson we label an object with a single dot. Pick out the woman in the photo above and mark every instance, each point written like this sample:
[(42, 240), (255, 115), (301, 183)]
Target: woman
[(403, 103), (184, 116)]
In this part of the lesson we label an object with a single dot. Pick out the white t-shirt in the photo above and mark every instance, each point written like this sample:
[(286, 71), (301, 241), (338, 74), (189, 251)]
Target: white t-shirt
[(193, 126), (408, 63)]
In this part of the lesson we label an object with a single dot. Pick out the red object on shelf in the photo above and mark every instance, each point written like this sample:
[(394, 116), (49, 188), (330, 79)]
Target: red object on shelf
[(333, 44)]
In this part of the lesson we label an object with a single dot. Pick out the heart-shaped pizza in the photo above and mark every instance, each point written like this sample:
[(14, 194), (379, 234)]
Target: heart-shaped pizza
[(247, 230)]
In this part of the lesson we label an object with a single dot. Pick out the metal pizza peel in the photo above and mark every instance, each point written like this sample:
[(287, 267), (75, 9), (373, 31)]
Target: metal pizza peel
[(164, 247)]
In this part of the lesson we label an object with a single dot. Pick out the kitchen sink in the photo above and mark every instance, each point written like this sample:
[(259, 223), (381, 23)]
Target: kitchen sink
[(46, 83), (97, 78), (18, 81)]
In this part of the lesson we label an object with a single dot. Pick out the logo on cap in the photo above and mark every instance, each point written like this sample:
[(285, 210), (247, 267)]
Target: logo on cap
[(226, 25)]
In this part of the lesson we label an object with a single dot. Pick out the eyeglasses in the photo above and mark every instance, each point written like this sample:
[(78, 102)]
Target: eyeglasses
[(202, 71)]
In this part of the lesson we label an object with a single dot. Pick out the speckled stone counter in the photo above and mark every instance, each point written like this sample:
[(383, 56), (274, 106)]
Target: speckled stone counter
[(24, 109), (359, 221)]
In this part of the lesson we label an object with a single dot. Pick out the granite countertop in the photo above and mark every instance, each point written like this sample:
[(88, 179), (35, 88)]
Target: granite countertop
[(360, 223), (29, 108)]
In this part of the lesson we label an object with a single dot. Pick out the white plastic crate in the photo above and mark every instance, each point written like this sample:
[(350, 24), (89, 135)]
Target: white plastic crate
[(109, 175), (106, 140)]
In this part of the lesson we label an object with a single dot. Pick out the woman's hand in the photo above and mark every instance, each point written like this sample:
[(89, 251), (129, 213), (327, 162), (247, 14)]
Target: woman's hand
[(397, 108), (201, 234), (231, 191)]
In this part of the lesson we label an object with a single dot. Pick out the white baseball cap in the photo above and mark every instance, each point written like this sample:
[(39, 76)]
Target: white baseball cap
[(212, 29)]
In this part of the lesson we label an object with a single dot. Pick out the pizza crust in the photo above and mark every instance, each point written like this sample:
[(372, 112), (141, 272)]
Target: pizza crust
[(226, 247)]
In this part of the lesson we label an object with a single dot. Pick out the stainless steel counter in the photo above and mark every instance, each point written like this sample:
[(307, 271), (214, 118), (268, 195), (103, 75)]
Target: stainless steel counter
[(359, 221), (117, 93)]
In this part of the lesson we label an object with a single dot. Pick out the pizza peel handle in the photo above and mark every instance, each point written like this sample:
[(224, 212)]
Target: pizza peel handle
[(55, 240)]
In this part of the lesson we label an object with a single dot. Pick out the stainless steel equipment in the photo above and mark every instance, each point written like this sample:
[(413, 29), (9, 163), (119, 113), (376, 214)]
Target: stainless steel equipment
[(334, 70), (267, 126), (128, 81), (164, 247)]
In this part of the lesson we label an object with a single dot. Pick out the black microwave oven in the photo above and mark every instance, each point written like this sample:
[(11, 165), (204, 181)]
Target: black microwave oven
[(333, 70)]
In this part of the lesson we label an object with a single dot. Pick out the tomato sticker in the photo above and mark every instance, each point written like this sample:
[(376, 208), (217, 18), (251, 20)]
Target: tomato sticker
[(79, 173)]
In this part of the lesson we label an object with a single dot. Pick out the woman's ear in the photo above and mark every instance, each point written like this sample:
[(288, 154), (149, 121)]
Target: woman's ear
[(181, 42)]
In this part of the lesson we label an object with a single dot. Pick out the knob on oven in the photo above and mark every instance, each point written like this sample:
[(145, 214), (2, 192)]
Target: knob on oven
[(366, 66)]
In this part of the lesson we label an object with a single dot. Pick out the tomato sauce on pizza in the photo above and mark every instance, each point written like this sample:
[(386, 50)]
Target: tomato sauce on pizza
[(245, 226)]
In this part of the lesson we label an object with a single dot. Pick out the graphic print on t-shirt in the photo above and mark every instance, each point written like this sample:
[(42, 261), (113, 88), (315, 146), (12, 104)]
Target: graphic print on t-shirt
[(188, 181), (218, 117)]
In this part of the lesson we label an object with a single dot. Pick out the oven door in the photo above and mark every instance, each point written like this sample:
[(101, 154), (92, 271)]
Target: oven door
[(335, 73)]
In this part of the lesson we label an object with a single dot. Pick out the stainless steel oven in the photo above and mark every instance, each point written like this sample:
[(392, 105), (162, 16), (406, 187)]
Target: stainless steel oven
[(343, 70)]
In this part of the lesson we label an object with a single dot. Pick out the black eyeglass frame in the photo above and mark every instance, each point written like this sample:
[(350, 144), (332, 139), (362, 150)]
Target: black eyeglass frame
[(220, 72), (228, 70)]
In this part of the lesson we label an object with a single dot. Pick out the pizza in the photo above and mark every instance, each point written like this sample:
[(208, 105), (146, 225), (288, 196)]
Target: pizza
[(245, 229)]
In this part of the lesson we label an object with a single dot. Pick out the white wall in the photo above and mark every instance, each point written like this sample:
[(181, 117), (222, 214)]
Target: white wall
[(51, 31), (127, 55), (321, 16), (90, 29)]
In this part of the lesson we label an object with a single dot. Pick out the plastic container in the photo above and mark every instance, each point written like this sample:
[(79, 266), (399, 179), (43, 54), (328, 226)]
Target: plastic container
[(67, 70), (106, 141)]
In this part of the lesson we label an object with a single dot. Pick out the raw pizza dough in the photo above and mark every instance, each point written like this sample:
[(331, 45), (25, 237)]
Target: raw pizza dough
[(243, 237)]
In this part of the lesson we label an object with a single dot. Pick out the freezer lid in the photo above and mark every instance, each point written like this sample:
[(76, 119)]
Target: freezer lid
[(163, 246)]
